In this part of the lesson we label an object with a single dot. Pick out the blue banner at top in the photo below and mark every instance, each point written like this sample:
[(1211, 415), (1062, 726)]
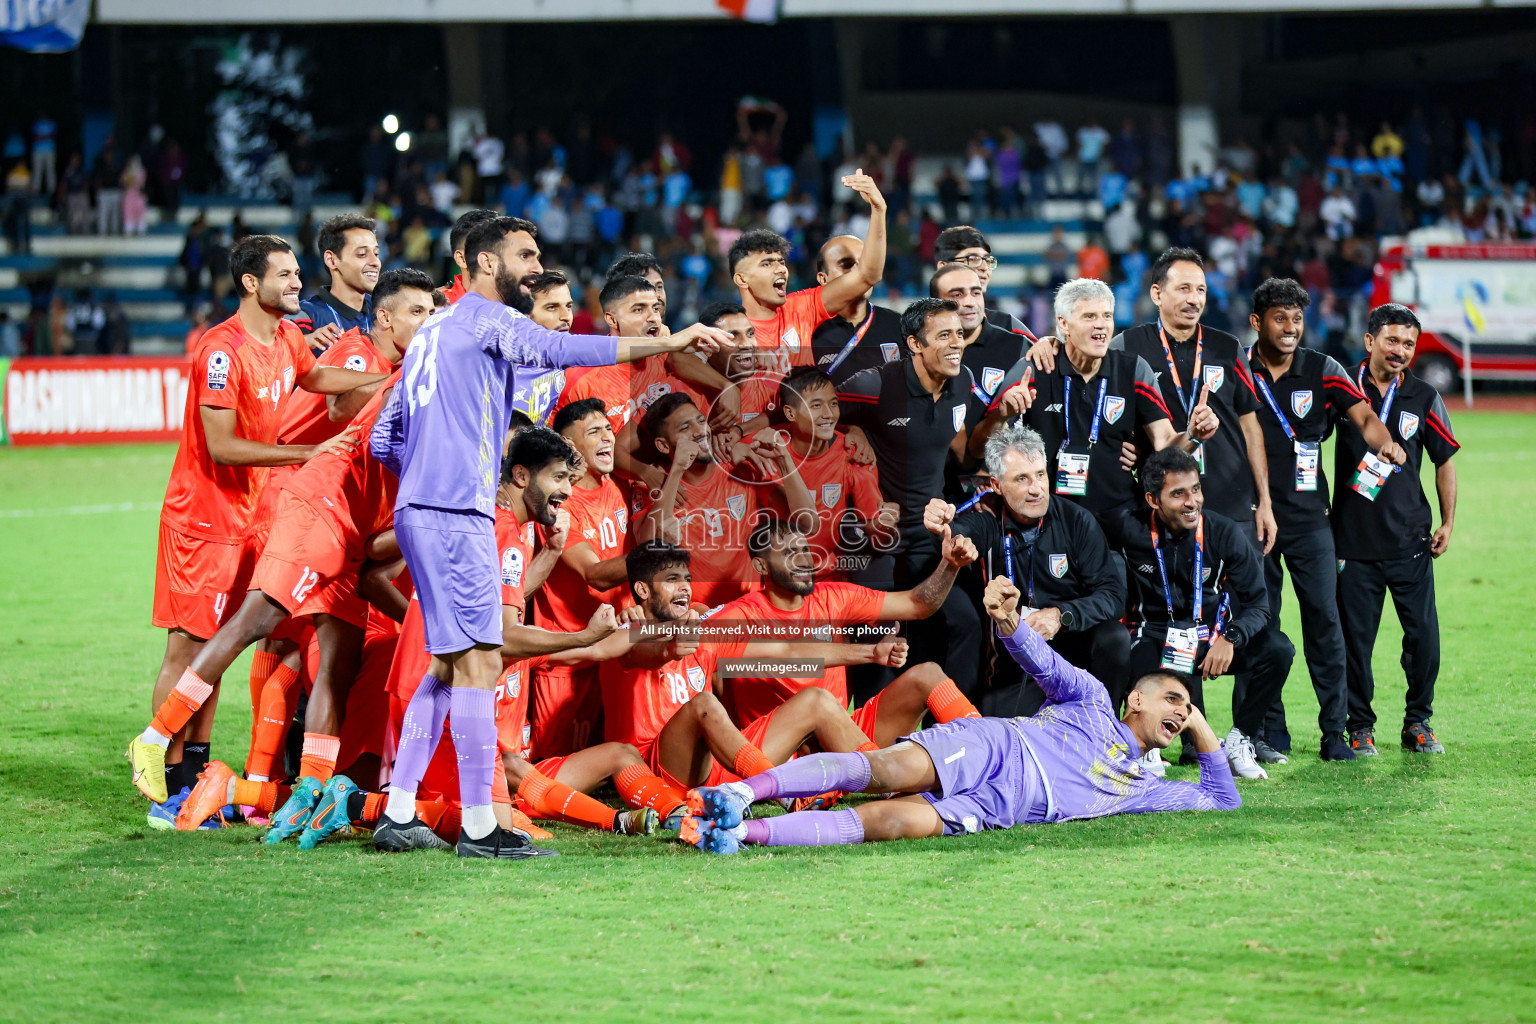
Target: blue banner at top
[(43, 26)]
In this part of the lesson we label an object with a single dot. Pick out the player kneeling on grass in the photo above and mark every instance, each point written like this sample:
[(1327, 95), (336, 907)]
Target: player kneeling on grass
[(1073, 759)]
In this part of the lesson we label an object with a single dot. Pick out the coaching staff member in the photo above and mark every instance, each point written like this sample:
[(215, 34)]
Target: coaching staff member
[(1388, 543), (912, 414), (1073, 593)]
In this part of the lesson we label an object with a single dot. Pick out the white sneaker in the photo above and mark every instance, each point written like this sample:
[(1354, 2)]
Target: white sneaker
[(1240, 755), (1152, 762)]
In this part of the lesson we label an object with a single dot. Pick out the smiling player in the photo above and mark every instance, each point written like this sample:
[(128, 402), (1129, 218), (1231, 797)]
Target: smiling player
[(1071, 760)]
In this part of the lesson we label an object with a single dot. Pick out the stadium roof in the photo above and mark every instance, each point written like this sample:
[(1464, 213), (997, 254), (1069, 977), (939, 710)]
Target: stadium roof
[(290, 11)]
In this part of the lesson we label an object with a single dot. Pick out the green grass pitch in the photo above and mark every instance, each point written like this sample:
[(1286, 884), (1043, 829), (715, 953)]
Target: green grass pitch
[(1398, 889)]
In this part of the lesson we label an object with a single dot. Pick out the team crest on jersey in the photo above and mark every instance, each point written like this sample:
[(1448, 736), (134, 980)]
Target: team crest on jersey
[(736, 505), (218, 371), (512, 568), (1301, 402), (696, 678), (791, 339), (1114, 408), (991, 377), (830, 493), (890, 351), (514, 684), (1214, 375), (355, 363), (527, 735), (1058, 566), (1407, 424), (528, 534), (1205, 574), (655, 391), (287, 379), (621, 517), (959, 416)]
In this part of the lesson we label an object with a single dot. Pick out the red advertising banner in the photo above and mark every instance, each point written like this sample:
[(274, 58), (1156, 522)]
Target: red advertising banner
[(95, 400)]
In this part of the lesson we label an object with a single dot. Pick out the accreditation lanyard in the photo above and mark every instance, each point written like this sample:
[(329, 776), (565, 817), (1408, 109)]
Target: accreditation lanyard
[(1187, 404), (853, 342), (1274, 406), (1162, 569), (1029, 587), (1098, 411), (1386, 403)]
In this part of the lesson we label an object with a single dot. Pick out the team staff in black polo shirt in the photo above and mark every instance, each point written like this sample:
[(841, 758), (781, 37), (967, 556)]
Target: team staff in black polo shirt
[(1090, 402), (1185, 356), (912, 415), (1073, 593), (861, 335), (1198, 599), (349, 248), (989, 350), (964, 244), (1304, 393), (1388, 542)]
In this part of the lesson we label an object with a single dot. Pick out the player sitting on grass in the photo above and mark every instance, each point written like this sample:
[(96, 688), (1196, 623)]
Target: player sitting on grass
[(1073, 759)]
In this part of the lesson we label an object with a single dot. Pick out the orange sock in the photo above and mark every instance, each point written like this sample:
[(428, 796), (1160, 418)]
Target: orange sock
[(867, 746), (265, 797), (547, 798), (373, 808), (263, 664), (947, 703), (640, 787), (319, 759), (750, 761), (279, 701), (182, 703)]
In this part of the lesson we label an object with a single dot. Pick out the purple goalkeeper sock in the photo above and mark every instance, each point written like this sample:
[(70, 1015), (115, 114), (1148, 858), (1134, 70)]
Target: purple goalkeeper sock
[(420, 731), (807, 828), (474, 740), (812, 776)]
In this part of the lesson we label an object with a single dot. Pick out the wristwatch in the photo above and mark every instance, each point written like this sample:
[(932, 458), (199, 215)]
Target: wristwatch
[(1068, 620), (1234, 636)]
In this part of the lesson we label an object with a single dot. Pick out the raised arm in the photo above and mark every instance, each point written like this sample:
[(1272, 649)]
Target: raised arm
[(928, 596), (1061, 681), (870, 269)]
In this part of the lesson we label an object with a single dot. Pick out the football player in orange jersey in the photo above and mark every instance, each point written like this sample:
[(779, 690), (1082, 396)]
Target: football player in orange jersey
[(706, 506), (310, 565), (791, 593), (785, 322), (244, 371), (660, 696)]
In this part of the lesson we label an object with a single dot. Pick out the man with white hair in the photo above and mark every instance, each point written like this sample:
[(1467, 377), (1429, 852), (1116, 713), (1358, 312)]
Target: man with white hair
[(1056, 554), (1089, 404)]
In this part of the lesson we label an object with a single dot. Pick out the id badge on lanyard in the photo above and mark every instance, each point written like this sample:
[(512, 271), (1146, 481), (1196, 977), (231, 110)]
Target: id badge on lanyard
[(1308, 453), (1373, 471), (1182, 643), (1072, 460), (1027, 608), (1370, 475), (1308, 456)]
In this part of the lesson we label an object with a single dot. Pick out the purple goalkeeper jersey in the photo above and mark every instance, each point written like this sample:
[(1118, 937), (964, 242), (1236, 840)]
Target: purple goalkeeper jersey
[(1087, 756), (442, 429)]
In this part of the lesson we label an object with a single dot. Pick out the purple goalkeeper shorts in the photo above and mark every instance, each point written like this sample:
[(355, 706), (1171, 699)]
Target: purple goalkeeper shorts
[(987, 777), (452, 558)]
